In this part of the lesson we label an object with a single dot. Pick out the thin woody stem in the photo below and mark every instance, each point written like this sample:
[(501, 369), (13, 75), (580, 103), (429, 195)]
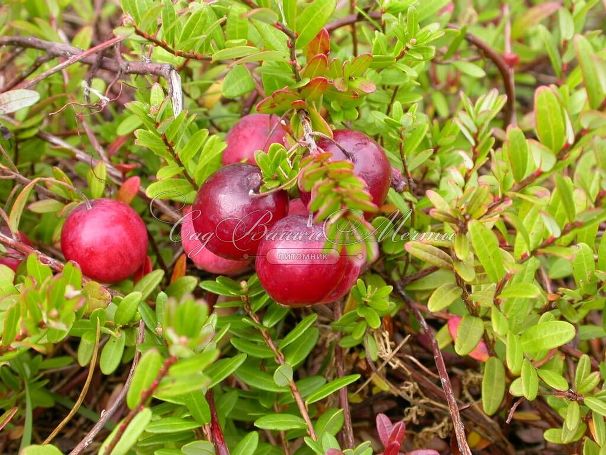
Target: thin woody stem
[(279, 357), (145, 396)]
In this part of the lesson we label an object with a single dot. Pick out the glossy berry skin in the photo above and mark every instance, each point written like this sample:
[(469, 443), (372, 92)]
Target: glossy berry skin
[(297, 207), (295, 272), (106, 238), (252, 132), (369, 160), (12, 256), (199, 254), (233, 216)]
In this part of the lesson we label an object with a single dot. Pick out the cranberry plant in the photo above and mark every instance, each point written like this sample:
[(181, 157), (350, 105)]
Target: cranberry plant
[(442, 162)]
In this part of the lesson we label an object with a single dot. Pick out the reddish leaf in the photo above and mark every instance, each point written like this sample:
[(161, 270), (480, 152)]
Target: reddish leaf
[(116, 144), (314, 89), (319, 45), (423, 452), (278, 102), (358, 66), (480, 352), (317, 66), (125, 168), (364, 85), (392, 449), (179, 268), (129, 190), (384, 428), (397, 433), (333, 452)]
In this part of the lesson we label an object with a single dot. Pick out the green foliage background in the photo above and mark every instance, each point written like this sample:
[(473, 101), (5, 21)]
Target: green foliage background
[(494, 112)]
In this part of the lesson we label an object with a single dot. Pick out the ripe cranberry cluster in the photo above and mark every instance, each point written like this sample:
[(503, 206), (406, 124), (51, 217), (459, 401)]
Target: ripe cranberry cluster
[(230, 223)]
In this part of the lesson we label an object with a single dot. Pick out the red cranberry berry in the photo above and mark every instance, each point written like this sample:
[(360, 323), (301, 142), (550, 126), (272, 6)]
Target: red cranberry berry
[(233, 215), (369, 160), (252, 132), (199, 254), (106, 238), (297, 207), (295, 271)]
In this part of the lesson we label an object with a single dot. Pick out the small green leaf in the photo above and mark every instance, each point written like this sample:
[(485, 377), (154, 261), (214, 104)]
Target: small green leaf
[(471, 69), (247, 445), (486, 247), (517, 152), (15, 100), (595, 84), (237, 82), (513, 353), (198, 407), (549, 119), (148, 283), (573, 414), (311, 20), (596, 405), (41, 450), (223, 368), (145, 373), (20, 201), (530, 380), (493, 385), (130, 436), (443, 297), (127, 308), (469, 334), (97, 177), (300, 328), (583, 265), (547, 335), (429, 253), (111, 355), (283, 375), (331, 387), (553, 379), (280, 422), (171, 425)]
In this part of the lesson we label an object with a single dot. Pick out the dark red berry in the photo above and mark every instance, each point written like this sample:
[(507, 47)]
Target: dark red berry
[(233, 215), (295, 271), (297, 207), (369, 160), (252, 132), (106, 238), (199, 254)]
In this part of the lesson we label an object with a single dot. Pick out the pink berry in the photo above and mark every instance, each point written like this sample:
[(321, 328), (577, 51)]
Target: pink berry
[(369, 160), (297, 207), (233, 215), (252, 132), (106, 238), (295, 271), (199, 254)]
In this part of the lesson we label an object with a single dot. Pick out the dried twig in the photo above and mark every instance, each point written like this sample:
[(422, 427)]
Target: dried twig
[(348, 436), (83, 392), (453, 408), (70, 61), (65, 50), (145, 396), (107, 414), (164, 45), (280, 360)]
